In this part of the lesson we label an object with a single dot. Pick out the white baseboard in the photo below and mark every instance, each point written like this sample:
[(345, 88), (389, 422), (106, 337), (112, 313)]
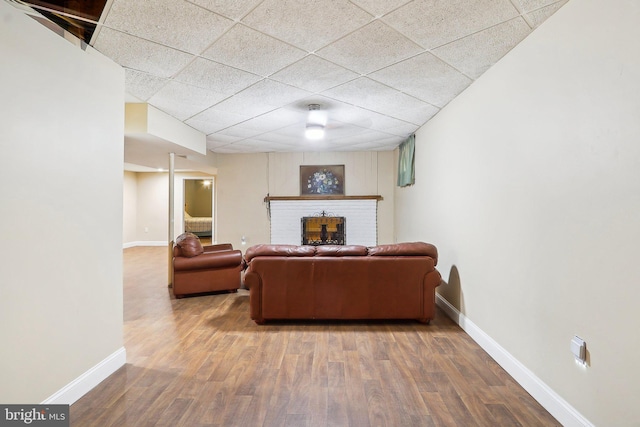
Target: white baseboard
[(566, 414), (87, 381), (145, 243)]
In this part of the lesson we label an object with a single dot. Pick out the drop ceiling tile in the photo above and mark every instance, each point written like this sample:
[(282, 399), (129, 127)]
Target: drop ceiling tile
[(293, 133), (292, 137), (235, 9), (258, 145), (210, 120), (432, 23), (217, 77), (142, 85), (425, 77), (531, 5), (183, 101), (537, 17), (379, 8), (231, 149), (262, 97), (178, 24), (474, 54), (330, 106), (378, 139), (419, 115), (217, 140), (314, 74), (239, 131), (139, 54), (378, 97), (337, 130), (243, 105), (248, 146), (403, 129), (307, 24), (361, 117), (274, 120), (250, 50), (382, 145), (368, 136), (354, 51)]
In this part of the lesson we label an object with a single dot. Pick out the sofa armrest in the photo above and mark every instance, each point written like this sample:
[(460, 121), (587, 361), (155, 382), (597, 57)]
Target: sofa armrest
[(220, 259), (254, 284)]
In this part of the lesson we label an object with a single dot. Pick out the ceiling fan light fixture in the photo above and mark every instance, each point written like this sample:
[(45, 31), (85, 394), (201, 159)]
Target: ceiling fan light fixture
[(314, 131), (315, 123)]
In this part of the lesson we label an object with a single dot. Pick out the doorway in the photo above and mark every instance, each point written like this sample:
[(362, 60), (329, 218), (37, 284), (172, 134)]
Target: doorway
[(198, 207)]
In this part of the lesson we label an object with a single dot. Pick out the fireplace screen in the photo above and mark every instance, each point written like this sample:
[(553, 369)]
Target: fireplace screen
[(323, 230)]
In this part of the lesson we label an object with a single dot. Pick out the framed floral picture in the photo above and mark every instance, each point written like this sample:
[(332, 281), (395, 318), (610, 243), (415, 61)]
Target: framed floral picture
[(321, 180)]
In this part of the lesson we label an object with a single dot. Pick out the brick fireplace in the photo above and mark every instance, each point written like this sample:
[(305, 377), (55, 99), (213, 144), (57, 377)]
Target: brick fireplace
[(359, 213)]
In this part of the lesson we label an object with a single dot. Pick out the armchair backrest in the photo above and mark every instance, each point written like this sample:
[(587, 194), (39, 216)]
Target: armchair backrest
[(177, 252)]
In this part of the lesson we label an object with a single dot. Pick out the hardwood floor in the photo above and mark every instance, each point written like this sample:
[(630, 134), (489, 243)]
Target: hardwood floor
[(201, 361)]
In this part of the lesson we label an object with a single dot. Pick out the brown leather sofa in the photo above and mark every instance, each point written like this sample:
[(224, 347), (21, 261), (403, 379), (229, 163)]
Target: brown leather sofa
[(200, 269), (395, 281)]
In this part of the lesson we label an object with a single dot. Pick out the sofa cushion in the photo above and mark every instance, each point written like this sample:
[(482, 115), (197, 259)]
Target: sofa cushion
[(279, 250), (189, 245), (406, 249), (341, 250)]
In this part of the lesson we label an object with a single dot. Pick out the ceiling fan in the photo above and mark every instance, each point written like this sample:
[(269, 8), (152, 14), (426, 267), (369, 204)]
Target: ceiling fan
[(316, 123)]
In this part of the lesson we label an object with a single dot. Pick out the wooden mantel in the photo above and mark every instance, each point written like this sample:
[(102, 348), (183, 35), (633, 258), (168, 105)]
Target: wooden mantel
[(323, 197)]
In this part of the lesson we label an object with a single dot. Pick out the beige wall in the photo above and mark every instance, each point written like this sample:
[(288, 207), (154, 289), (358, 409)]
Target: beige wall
[(244, 180), (61, 180), (130, 207), (152, 220), (146, 196), (528, 184)]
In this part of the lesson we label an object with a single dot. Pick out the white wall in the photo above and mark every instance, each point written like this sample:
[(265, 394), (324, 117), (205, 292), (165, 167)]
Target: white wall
[(529, 185), (61, 134)]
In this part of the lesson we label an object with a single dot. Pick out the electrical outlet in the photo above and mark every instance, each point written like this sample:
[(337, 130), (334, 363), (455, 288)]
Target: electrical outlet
[(579, 349)]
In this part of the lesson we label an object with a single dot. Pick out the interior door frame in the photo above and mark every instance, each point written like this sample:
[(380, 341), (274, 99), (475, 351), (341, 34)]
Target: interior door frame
[(180, 200)]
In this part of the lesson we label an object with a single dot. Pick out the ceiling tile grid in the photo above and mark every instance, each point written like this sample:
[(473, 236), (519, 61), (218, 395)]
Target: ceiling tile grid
[(354, 51), (307, 24), (438, 82), (217, 77), (245, 71), (253, 51), (177, 24), (314, 74), (476, 53)]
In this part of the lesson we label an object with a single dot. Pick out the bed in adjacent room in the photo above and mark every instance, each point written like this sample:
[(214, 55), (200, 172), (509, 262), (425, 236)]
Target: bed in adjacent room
[(201, 226)]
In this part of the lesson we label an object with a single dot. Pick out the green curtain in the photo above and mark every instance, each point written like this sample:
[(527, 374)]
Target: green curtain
[(406, 162)]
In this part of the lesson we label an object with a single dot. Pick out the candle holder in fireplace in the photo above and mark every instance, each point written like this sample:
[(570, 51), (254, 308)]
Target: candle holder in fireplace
[(323, 229)]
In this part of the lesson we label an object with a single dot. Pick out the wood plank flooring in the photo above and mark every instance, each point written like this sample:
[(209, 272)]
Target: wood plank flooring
[(201, 361)]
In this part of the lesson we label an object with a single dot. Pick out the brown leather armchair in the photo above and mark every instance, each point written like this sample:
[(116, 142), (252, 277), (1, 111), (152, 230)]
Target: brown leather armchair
[(201, 269)]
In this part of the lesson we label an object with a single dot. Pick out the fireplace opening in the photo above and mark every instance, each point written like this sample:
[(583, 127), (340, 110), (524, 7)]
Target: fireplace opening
[(323, 229)]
